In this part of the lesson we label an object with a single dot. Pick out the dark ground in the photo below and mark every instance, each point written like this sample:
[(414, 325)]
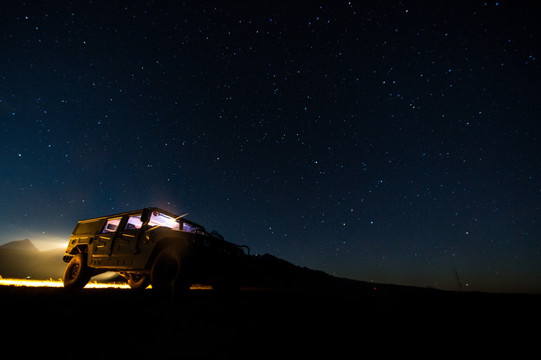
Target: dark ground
[(289, 312), (347, 323)]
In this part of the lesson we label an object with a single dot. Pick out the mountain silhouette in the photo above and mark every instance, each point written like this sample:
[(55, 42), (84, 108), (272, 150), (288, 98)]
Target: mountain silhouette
[(24, 245), (21, 259)]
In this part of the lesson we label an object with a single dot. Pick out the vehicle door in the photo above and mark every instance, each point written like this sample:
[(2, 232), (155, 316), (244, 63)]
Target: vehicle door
[(127, 239), (103, 245)]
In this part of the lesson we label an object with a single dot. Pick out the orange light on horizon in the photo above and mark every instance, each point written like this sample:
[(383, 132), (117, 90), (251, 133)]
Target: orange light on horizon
[(58, 284), (91, 285)]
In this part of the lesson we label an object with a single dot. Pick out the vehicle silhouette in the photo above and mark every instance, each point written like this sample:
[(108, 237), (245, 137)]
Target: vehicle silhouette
[(152, 246)]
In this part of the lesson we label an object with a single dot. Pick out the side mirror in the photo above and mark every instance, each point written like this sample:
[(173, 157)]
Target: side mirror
[(145, 216)]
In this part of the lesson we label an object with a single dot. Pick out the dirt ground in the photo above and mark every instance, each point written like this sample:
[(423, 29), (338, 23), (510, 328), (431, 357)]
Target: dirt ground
[(259, 323)]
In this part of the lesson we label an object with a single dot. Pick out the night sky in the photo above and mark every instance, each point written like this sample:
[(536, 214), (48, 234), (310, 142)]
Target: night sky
[(384, 141)]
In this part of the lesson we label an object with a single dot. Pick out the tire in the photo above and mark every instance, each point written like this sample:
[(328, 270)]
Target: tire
[(77, 273), (138, 282), (168, 275)]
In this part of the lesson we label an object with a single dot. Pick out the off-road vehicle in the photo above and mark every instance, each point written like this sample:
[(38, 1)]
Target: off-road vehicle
[(152, 246)]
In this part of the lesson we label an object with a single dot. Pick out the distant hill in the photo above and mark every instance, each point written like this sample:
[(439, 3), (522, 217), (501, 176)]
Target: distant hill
[(25, 245), (21, 259), (268, 271)]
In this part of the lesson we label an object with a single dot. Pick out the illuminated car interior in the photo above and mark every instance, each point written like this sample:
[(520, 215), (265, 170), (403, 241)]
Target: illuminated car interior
[(111, 225), (157, 219)]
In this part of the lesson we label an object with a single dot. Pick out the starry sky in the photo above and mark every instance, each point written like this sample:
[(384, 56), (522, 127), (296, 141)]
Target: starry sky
[(385, 141)]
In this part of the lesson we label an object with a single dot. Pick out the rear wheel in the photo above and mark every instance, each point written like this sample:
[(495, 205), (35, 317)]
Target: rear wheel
[(168, 275), (77, 273)]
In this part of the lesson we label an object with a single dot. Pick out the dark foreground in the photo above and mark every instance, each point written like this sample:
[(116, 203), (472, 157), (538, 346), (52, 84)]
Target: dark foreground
[(119, 324)]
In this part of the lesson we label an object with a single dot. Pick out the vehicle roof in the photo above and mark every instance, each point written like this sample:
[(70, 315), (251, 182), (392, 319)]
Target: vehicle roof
[(133, 212)]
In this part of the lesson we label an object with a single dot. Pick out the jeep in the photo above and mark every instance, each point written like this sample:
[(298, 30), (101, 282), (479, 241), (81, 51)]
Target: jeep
[(154, 247)]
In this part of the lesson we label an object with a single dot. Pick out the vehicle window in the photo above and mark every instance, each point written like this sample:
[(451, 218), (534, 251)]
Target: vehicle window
[(159, 219), (189, 228), (134, 222), (111, 225)]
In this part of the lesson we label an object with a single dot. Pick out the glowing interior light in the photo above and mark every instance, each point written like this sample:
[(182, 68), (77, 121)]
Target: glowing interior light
[(159, 219)]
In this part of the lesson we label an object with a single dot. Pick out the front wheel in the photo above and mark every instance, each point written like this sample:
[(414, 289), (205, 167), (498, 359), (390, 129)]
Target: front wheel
[(77, 273)]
